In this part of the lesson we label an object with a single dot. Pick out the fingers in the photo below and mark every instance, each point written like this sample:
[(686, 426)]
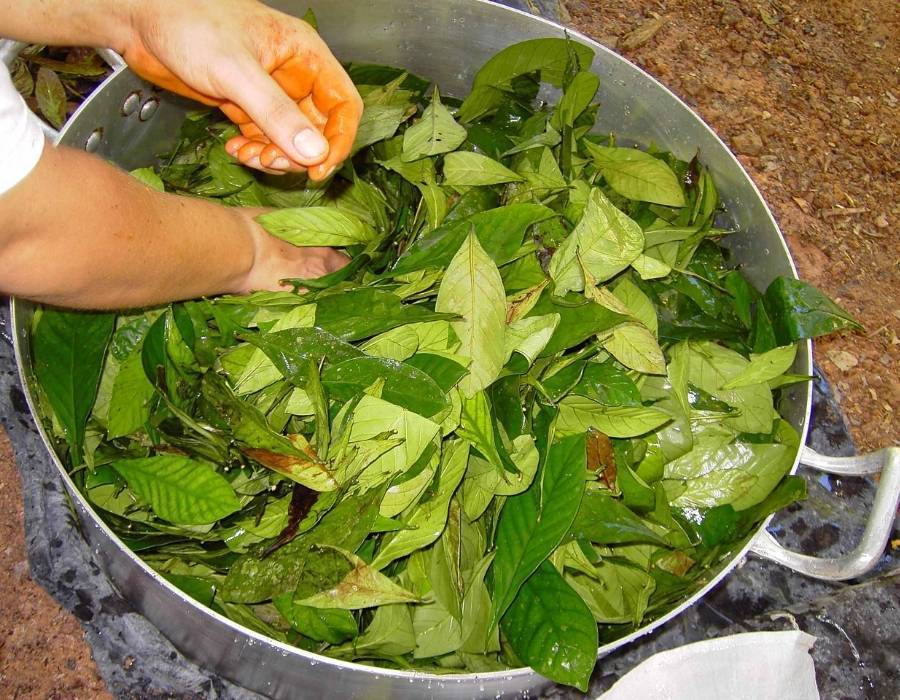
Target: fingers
[(341, 133), (277, 116), (274, 157), (270, 156), (336, 96)]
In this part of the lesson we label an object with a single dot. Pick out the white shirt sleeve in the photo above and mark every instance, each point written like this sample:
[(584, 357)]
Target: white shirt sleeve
[(21, 137)]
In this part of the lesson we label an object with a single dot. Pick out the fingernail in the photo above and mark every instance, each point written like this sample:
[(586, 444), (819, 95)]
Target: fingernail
[(280, 163), (310, 144), (254, 163)]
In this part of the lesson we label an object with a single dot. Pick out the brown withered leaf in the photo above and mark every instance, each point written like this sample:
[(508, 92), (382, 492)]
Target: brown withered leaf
[(518, 305), (302, 468), (22, 79), (362, 587), (675, 562), (69, 68), (601, 458), (302, 501), (643, 33)]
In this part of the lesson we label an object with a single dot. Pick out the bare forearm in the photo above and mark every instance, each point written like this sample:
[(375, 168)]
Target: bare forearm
[(77, 232), (67, 22)]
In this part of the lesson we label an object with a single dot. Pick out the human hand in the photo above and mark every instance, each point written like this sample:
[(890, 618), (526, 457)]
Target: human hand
[(275, 260), (270, 73)]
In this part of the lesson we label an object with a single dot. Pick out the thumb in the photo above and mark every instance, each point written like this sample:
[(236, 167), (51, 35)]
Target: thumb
[(277, 115)]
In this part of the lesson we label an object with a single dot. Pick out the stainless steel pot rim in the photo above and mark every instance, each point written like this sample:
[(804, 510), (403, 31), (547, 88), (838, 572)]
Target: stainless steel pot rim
[(287, 650)]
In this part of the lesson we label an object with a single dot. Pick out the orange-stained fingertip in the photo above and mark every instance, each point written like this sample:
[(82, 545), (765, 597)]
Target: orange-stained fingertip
[(321, 172)]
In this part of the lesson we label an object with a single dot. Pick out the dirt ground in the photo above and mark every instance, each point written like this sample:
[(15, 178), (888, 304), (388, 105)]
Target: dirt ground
[(42, 650), (807, 95)]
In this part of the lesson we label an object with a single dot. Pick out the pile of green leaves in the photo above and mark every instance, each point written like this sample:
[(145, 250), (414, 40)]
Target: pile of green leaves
[(536, 410)]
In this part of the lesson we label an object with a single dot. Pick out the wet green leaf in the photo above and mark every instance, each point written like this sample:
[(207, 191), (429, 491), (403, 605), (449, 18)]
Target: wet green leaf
[(578, 95), (799, 310), (499, 232), (361, 587), (365, 312), (253, 578), (551, 629), (603, 519), (530, 528), (550, 57), (404, 384)]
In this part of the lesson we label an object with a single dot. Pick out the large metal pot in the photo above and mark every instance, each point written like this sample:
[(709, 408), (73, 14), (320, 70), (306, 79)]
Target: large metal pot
[(128, 122)]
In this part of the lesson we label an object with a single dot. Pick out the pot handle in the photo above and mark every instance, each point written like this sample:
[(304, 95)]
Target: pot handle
[(878, 528), (10, 49)]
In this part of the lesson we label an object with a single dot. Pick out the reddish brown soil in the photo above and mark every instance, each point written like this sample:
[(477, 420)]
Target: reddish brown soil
[(42, 649), (806, 93)]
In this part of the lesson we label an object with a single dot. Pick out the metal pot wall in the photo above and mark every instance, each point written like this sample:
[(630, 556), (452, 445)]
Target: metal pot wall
[(128, 122)]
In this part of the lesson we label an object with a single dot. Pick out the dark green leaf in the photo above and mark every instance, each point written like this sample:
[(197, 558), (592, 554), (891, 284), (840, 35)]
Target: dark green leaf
[(499, 231), (550, 57), (603, 519), (579, 320), (636, 494), (799, 311), (606, 383), (254, 578), (291, 349), (291, 457), (200, 589), (69, 348), (551, 629), (362, 313), (404, 384), (322, 624), (533, 523), (575, 100), (444, 371), (744, 296)]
